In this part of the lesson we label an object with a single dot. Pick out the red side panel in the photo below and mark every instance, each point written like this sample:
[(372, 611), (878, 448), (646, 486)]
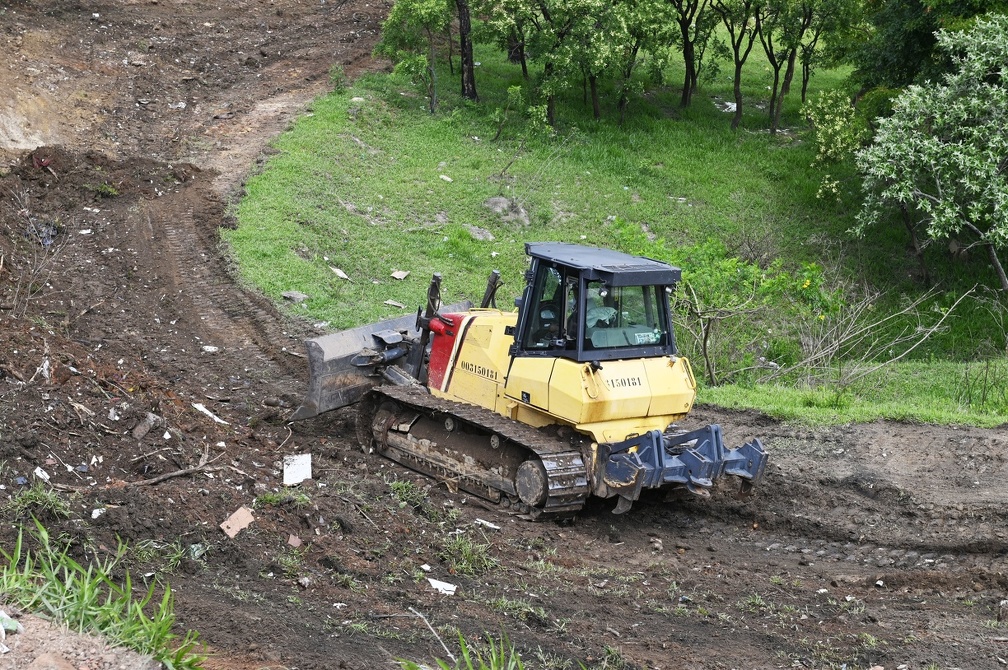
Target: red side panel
[(443, 346)]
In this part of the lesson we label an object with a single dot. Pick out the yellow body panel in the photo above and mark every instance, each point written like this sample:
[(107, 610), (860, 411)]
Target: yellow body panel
[(479, 365), (528, 382), (620, 399)]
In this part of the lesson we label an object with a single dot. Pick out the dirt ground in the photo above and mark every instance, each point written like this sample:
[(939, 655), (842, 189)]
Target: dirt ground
[(126, 129)]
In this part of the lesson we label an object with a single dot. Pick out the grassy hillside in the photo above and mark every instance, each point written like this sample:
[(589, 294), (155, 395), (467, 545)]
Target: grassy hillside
[(369, 183)]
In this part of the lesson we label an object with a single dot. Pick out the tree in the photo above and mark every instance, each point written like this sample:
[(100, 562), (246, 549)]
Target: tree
[(837, 21), (899, 49), (411, 29), (538, 29), (506, 23), (739, 19), (942, 157), (690, 18), (594, 46), (781, 28), (466, 62), (640, 25)]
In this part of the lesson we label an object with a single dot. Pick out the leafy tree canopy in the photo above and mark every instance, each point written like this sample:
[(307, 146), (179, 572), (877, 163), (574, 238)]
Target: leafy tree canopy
[(942, 157), (898, 48)]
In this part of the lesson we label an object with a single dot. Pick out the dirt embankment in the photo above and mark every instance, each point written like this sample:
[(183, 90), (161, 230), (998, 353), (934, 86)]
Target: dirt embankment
[(153, 390)]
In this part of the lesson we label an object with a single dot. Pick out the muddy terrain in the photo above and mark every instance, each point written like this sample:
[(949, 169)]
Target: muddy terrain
[(152, 391)]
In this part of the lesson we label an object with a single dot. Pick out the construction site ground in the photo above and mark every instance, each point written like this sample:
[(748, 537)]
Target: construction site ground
[(152, 390)]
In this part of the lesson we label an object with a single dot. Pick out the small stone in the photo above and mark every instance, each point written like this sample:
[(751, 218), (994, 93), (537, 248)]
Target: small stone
[(480, 234), (50, 661)]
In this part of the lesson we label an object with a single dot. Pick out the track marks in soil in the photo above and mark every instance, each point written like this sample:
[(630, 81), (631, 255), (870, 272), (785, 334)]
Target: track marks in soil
[(225, 315)]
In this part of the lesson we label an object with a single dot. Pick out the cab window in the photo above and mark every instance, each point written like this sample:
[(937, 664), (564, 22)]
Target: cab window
[(552, 319), (624, 316)]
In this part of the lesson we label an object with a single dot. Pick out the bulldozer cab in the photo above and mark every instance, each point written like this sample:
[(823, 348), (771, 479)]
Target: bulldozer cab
[(592, 304)]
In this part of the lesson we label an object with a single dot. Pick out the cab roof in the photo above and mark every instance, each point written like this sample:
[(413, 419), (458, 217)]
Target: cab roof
[(613, 267)]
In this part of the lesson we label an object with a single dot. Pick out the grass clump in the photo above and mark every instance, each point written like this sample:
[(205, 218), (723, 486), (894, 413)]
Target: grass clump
[(164, 556), (40, 501), (291, 561), (465, 556), (520, 609), (47, 581), (409, 494), (296, 499), (494, 655)]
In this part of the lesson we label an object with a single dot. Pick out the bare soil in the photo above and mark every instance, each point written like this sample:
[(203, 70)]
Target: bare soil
[(126, 130)]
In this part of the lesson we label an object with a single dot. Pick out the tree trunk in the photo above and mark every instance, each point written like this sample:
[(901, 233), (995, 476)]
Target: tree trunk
[(451, 50), (784, 89), (737, 119), (991, 255), (627, 73), (915, 241), (551, 98), (466, 64), (774, 96), (808, 53), (432, 80), (596, 106), (689, 60), (998, 268), (806, 74), (516, 51)]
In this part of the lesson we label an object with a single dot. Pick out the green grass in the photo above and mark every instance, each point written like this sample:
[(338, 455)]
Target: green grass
[(368, 183), (491, 655), (47, 581), (40, 501), (464, 556), (939, 392)]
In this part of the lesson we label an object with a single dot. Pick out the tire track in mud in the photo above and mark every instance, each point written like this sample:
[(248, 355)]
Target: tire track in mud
[(900, 540)]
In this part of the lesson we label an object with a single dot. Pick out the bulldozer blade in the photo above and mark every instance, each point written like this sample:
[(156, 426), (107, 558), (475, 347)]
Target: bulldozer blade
[(334, 380)]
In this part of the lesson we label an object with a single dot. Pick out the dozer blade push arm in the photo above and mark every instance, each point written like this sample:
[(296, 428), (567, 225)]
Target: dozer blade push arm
[(343, 366)]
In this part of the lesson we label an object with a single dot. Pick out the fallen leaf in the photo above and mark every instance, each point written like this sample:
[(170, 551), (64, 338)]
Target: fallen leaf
[(400, 274), (339, 273), (393, 303)]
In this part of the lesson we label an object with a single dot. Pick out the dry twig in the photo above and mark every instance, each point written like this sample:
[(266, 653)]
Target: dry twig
[(202, 466), (431, 628)]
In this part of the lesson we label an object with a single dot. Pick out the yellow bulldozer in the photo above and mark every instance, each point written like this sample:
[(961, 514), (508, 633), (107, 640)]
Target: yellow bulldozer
[(574, 394)]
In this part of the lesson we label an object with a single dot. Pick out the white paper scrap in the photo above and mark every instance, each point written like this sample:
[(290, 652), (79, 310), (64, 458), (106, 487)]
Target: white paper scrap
[(200, 407), (442, 587), (487, 524), (297, 468)]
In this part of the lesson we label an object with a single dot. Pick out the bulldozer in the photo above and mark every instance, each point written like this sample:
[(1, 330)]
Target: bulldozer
[(576, 393)]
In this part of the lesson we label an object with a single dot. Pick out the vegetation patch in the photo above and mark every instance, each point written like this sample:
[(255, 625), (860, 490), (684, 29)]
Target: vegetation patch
[(49, 582)]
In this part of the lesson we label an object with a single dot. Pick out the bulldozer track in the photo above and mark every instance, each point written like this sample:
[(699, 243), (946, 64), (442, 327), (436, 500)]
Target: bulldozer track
[(228, 315), (567, 488)]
